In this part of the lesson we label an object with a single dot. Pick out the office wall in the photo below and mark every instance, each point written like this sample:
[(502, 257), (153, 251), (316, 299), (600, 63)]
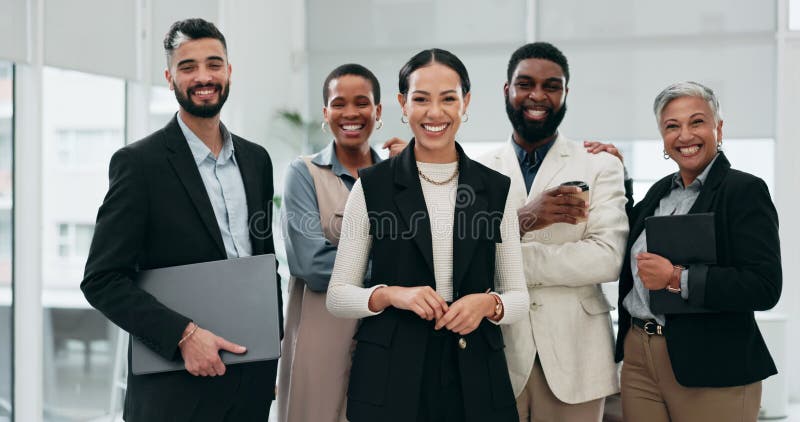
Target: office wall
[(266, 44), (787, 180), (383, 35)]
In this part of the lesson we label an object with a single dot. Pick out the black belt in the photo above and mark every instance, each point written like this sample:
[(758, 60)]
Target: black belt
[(649, 326)]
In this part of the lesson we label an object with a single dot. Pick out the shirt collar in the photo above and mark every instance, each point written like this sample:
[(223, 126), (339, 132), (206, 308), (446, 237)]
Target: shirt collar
[(201, 152), (536, 156), (699, 181), (327, 157)]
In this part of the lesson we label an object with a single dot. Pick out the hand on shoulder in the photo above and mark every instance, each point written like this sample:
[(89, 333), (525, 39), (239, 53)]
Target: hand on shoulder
[(595, 147)]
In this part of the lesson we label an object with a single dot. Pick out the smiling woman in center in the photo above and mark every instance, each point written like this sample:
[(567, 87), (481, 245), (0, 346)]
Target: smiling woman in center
[(446, 267)]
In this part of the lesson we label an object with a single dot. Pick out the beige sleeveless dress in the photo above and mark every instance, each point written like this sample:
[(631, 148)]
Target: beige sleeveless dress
[(317, 347)]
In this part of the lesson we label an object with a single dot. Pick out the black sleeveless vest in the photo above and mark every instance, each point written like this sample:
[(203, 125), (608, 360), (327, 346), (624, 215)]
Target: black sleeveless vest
[(387, 364)]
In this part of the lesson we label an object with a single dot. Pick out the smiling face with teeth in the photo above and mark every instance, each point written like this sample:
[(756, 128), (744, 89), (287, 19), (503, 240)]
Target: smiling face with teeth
[(690, 135), (199, 73), (434, 107), (351, 111), (536, 101)]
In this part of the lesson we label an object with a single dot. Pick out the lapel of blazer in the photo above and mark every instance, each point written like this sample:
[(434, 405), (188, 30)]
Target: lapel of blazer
[(470, 208), (185, 167), (506, 162), (708, 191), (248, 167), (411, 203), (647, 207), (554, 161)]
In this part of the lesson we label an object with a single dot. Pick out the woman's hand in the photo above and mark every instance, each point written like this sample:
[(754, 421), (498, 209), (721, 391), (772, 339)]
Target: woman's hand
[(466, 313), (595, 147), (395, 146), (654, 270), (423, 301)]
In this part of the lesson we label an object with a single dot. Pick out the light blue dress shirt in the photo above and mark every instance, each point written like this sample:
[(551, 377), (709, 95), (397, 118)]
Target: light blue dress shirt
[(223, 182), (678, 201)]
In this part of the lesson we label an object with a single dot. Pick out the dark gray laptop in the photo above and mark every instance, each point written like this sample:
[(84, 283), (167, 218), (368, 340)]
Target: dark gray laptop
[(236, 299)]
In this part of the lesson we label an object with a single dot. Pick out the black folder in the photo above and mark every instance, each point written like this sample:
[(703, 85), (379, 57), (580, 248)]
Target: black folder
[(686, 240)]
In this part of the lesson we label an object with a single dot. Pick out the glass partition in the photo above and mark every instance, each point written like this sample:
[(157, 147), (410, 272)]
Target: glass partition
[(83, 123), (6, 236)]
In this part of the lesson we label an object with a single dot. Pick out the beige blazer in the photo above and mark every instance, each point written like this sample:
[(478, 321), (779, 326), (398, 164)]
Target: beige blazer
[(569, 324)]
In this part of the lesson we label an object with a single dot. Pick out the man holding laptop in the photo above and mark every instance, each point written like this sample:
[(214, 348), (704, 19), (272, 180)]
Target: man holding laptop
[(191, 192)]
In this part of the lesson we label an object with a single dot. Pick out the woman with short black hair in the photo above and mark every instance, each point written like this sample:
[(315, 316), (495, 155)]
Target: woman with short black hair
[(315, 359)]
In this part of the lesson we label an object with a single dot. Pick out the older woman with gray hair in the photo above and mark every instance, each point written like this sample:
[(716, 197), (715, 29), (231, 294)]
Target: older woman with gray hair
[(701, 358)]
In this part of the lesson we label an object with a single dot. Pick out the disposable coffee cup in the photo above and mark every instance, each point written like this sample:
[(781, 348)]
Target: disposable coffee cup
[(583, 194)]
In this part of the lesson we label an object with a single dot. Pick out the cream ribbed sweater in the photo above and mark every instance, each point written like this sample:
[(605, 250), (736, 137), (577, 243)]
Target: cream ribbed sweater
[(347, 298)]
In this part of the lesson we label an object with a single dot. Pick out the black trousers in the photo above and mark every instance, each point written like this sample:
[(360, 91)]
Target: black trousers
[(243, 394), (247, 402), (440, 395)]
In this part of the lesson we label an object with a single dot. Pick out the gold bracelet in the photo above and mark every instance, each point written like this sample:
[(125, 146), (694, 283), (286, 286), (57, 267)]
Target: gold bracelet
[(188, 335)]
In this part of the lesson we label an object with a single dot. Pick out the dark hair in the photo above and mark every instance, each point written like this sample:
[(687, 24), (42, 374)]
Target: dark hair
[(191, 29), (538, 50), (427, 57), (351, 69)]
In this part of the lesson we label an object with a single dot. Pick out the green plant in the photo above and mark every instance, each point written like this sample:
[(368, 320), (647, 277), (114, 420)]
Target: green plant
[(306, 130)]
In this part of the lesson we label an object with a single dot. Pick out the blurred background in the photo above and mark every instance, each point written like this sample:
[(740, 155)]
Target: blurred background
[(81, 78)]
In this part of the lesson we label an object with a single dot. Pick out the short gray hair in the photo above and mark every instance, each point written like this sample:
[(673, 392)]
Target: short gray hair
[(686, 89)]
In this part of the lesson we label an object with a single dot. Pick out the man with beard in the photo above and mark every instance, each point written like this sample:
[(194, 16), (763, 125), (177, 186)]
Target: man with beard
[(560, 358), (190, 192)]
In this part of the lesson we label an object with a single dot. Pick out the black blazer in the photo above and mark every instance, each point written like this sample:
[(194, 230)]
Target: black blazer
[(725, 348), (386, 375), (156, 214)]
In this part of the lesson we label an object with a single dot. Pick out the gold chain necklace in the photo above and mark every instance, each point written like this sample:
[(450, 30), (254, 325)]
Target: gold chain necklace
[(437, 183)]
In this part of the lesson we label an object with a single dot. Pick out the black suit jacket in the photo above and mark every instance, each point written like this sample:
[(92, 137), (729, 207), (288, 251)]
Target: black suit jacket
[(157, 214), (386, 375), (724, 348)]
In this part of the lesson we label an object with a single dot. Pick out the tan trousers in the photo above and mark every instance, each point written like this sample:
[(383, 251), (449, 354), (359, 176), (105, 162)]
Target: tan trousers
[(650, 392), (537, 403)]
